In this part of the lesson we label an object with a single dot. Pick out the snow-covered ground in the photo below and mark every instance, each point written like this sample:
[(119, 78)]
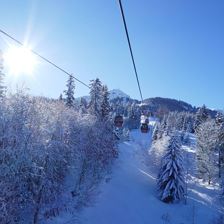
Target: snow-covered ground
[(130, 194), (124, 199)]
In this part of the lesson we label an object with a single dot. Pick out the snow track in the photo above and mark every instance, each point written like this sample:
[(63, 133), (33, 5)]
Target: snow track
[(122, 199), (130, 196)]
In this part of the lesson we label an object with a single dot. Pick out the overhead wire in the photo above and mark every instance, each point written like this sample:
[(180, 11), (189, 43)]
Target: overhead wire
[(43, 58), (130, 48)]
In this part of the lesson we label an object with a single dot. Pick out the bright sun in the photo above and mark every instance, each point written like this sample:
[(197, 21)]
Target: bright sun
[(19, 60)]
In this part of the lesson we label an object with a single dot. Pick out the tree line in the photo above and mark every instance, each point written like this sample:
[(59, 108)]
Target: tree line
[(52, 153), (173, 131)]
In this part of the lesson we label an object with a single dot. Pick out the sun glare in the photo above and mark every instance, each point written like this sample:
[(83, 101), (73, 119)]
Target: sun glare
[(19, 60)]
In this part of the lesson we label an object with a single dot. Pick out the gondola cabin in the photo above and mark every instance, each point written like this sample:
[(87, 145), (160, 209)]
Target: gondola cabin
[(118, 121), (147, 121), (144, 128)]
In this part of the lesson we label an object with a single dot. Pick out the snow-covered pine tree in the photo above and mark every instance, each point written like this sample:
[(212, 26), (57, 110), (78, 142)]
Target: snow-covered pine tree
[(207, 142), (219, 118), (171, 183), (105, 106), (163, 127), (201, 116), (70, 99), (220, 123), (189, 123), (60, 97), (95, 97), (180, 120), (83, 106), (2, 87)]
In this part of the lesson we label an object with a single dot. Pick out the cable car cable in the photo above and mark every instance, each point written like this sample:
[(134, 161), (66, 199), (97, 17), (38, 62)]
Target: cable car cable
[(130, 48), (43, 58)]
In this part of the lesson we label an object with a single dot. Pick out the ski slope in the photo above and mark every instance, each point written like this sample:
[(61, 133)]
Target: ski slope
[(124, 199), (130, 195)]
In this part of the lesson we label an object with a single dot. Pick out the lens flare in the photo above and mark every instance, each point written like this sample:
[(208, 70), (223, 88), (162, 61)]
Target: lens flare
[(19, 60)]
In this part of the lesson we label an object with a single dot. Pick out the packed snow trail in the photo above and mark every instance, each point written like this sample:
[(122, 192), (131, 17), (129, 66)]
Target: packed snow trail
[(124, 199)]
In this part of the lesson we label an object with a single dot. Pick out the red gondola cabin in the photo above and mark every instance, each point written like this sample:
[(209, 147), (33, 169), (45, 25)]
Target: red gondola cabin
[(144, 128)]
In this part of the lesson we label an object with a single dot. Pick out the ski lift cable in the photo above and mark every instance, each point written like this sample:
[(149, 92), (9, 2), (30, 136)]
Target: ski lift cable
[(130, 48), (43, 58)]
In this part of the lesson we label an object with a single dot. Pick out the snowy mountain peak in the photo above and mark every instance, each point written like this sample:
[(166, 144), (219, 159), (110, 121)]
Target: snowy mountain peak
[(115, 93)]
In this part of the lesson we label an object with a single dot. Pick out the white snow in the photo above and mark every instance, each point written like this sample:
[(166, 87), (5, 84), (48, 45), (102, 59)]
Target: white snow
[(123, 199), (130, 195), (115, 93)]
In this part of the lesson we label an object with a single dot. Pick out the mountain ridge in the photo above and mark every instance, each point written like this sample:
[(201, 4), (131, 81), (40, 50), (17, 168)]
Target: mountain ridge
[(154, 104)]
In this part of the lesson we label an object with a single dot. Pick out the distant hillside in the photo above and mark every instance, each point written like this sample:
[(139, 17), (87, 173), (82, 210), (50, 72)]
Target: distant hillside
[(156, 105), (166, 104)]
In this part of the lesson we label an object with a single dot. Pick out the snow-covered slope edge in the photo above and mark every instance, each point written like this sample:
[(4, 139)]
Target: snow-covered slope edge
[(130, 196)]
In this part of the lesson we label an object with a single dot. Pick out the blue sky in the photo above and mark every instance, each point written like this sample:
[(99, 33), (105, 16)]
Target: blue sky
[(178, 46)]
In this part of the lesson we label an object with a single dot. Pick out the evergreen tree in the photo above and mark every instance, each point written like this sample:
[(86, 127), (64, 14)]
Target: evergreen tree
[(221, 151), (207, 142), (201, 116), (105, 106), (61, 97), (2, 87), (70, 100), (95, 97), (219, 118), (190, 120), (180, 120), (220, 123), (163, 127), (83, 105), (171, 183)]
